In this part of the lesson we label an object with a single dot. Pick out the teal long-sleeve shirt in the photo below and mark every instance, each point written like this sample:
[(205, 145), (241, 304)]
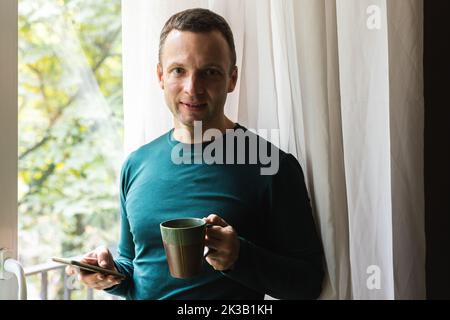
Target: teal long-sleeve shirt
[(280, 252)]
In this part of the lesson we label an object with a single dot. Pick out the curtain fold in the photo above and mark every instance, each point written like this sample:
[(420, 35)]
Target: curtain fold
[(405, 33), (364, 79), (342, 82)]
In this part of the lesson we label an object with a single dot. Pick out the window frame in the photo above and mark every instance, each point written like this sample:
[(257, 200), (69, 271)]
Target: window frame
[(8, 126)]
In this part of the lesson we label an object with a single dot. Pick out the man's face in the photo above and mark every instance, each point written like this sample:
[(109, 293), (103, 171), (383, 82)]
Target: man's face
[(195, 76)]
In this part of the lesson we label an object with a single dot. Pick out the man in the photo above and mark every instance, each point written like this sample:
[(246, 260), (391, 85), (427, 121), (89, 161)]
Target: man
[(263, 240)]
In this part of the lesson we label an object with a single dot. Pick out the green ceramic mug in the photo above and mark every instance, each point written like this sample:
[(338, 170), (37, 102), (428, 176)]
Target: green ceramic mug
[(184, 244)]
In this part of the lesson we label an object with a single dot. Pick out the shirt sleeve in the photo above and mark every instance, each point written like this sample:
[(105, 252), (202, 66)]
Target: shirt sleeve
[(288, 263), (125, 251)]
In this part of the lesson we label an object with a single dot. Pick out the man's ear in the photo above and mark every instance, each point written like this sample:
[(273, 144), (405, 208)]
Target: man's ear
[(160, 75), (233, 79)]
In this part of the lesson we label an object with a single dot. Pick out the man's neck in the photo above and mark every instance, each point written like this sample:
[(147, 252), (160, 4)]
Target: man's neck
[(185, 134)]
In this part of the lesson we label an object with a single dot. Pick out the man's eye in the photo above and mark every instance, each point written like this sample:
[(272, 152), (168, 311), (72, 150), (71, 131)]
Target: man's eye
[(211, 72), (178, 71)]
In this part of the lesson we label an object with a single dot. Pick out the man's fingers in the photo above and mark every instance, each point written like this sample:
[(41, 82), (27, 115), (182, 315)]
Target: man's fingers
[(71, 270), (90, 278), (215, 232), (98, 281), (90, 260), (213, 243), (113, 279), (104, 258), (223, 243), (216, 220), (99, 257), (215, 262), (212, 259), (105, 283), (90, 257), (102, 286)]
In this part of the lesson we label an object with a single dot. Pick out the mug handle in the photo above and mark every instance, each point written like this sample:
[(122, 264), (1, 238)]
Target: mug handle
[(208, 225)]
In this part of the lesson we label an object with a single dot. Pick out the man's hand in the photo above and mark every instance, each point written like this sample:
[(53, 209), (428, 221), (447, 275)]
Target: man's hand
[(223, 243), (99, 257)]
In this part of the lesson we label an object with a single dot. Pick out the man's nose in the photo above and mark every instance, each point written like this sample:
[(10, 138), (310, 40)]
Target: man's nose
[(193, 85)]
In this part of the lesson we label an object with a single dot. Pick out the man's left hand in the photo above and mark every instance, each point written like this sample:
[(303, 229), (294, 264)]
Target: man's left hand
[(223, 243)]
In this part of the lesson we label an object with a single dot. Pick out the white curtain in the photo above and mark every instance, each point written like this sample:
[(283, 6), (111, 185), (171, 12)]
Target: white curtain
[(342, 81)]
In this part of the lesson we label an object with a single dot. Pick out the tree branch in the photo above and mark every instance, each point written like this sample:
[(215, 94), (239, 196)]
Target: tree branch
[(47, 136)]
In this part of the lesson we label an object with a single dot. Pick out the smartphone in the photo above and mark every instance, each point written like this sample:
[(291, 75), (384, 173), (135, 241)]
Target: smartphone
[(89, 267)]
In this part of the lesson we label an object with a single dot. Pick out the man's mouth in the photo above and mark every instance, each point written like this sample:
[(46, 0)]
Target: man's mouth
[(194, 106)]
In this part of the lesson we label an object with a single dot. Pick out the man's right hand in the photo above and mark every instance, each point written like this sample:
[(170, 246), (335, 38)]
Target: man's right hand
[(99, 257)]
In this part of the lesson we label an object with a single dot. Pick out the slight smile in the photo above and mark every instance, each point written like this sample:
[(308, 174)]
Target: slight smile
[(194, 107)]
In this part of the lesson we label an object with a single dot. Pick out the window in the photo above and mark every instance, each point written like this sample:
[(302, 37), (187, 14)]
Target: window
[(70, 131)]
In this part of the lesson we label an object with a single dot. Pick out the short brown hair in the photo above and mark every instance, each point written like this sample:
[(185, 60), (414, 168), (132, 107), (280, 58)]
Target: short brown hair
[(198, 20)]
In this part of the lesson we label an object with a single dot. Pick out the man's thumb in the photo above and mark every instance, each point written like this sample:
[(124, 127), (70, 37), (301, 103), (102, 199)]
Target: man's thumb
[(104, 259)]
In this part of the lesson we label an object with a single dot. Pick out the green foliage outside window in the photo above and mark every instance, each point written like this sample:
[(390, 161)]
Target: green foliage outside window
[(70, 130)]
